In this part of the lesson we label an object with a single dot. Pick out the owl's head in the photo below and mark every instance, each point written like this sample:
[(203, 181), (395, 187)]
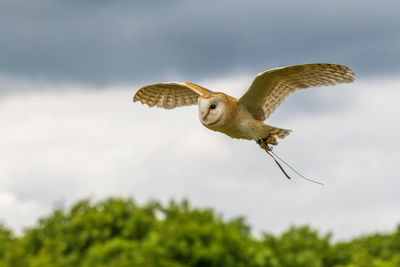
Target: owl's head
[(212, 108)]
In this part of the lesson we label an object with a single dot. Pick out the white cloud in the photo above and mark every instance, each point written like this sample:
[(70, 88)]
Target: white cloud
[(69, 144)]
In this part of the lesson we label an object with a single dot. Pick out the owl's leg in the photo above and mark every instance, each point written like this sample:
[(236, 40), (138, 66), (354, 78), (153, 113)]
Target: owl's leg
[(269, 140), (266, 142), (271, 134)]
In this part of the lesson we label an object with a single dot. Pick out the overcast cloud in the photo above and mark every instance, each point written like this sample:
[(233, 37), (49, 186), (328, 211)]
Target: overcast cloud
[(123, 42), (58, 147)]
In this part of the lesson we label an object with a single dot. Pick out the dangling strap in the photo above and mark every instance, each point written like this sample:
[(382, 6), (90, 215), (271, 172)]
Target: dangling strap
[(264, 145), (293, 169), (279, 165)]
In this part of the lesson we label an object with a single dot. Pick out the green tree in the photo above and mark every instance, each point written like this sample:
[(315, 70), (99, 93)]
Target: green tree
[(374, 250), (64, 238), (298, 246), (5, 243), (119, 232)]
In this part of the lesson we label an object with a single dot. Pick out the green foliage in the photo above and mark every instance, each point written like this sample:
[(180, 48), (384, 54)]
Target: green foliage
[(119, 232), (372, 250), (299, 246), (5, 240)]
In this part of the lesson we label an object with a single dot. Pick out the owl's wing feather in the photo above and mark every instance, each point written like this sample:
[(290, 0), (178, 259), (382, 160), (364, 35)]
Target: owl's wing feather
[(170, 95), (271, 87)]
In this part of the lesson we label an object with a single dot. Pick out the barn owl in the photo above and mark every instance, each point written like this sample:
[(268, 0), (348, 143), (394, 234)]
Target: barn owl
[(243, 118)]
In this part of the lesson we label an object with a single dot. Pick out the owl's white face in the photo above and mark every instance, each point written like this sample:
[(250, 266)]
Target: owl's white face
[(211, 110)]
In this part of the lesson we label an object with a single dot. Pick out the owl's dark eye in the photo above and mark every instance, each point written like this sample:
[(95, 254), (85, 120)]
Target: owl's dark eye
[(212, 106)]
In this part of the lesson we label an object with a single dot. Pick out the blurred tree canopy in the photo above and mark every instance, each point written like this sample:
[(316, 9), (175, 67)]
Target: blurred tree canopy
[(119, 232)]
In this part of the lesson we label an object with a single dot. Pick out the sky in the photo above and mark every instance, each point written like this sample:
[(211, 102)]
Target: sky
[(69, 128)]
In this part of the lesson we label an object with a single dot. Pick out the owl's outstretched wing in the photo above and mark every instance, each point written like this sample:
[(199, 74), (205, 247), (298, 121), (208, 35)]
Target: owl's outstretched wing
[(170, 95), (271, 87)]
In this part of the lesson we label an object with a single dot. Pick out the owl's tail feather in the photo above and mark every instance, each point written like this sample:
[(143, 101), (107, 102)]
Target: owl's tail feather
[(278, 132)]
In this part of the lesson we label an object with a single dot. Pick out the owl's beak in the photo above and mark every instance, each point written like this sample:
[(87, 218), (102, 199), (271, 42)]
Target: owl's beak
[(203, 113), (203, 118)]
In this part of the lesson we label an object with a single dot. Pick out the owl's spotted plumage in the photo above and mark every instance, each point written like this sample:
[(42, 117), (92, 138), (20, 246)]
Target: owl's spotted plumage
[(170, 95), (244, 118)]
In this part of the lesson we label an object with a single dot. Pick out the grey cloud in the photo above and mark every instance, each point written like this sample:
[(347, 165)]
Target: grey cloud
[(103, 43)]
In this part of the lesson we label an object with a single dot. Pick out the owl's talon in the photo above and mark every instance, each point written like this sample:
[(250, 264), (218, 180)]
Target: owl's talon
[(259, 142), (271, 139), (264, 144)]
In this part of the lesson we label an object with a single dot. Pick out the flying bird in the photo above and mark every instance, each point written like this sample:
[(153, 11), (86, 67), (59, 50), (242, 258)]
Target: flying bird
[(244, 118)]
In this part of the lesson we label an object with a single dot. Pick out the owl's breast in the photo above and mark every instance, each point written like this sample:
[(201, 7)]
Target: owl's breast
[(237, 123)]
